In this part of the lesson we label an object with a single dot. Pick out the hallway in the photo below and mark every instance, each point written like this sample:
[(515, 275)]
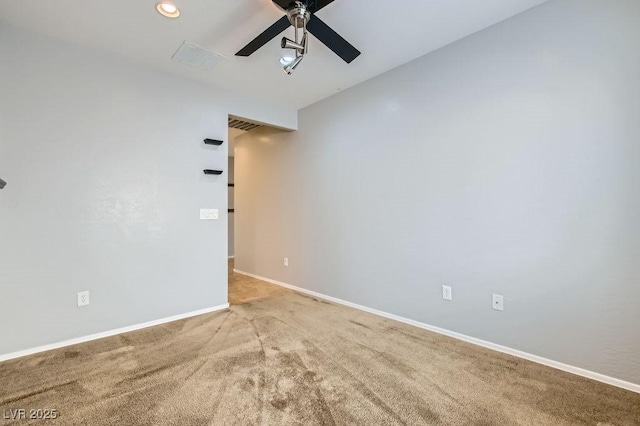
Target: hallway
[(244, 289)]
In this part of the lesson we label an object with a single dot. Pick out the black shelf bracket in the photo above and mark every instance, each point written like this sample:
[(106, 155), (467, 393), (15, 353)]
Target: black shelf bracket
[(212, 172), (213, 142), (2, 184)]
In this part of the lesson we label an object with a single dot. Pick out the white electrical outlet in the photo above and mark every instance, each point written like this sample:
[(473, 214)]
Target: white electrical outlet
[(497, 302), (447, 293), (83, 298), (209, 214), (286, 261)]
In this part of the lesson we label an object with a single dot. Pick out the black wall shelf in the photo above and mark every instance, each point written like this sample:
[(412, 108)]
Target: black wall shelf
[(212, 172), (232, 210), (213, 142), (231, 185)]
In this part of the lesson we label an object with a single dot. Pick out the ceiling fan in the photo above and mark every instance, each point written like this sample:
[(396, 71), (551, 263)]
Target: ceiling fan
[(301, 14)]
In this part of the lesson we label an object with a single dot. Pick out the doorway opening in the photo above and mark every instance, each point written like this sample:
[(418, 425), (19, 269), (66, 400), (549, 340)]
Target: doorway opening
[(238, 127)]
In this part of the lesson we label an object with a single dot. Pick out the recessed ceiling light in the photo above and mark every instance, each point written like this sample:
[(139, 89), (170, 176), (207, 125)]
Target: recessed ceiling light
[(286, 60), (168, 9)]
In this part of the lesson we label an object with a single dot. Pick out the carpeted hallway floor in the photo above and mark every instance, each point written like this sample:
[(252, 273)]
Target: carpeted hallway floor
[(278, 357)]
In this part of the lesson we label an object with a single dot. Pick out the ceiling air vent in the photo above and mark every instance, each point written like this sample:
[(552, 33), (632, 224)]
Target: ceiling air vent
[(196, 56), (236, 123)]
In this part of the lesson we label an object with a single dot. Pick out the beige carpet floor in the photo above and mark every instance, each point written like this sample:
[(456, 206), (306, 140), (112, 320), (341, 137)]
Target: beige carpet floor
[(281, 358)]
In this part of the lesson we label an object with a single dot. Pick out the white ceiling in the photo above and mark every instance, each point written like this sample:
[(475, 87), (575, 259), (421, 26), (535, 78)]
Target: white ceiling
[(389, 33)]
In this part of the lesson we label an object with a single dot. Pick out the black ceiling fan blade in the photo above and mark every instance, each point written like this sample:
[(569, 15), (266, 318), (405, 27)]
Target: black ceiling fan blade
[(320, 4), (332, 39), (264, 38), (284, 3)]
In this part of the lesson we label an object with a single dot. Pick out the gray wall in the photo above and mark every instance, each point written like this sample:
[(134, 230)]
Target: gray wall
[(506, 162), (104, 160)]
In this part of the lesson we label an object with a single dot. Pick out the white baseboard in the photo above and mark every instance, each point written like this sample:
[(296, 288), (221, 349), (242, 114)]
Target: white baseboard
[(520, 354), (109, 333)]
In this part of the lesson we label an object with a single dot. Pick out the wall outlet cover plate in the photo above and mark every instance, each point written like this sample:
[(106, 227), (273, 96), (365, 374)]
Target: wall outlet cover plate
[(447, 292), (497, 302), (83, 298)]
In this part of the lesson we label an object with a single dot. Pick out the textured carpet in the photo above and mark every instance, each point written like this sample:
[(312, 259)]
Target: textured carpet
[(284, 358)]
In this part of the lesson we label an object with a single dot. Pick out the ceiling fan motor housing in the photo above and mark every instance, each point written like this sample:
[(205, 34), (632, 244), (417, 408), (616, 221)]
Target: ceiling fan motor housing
[(299, 15)]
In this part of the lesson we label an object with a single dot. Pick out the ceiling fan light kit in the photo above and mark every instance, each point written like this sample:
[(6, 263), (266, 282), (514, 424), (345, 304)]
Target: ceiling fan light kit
[(301, 15), (291, 67), (287, 57), (298, 17)]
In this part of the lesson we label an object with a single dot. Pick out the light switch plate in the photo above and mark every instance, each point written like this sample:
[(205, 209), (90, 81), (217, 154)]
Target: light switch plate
[(209, 214), (498, 302)]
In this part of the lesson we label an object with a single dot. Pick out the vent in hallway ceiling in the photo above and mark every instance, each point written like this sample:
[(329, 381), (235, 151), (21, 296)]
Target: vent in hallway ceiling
[(236, 123)]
